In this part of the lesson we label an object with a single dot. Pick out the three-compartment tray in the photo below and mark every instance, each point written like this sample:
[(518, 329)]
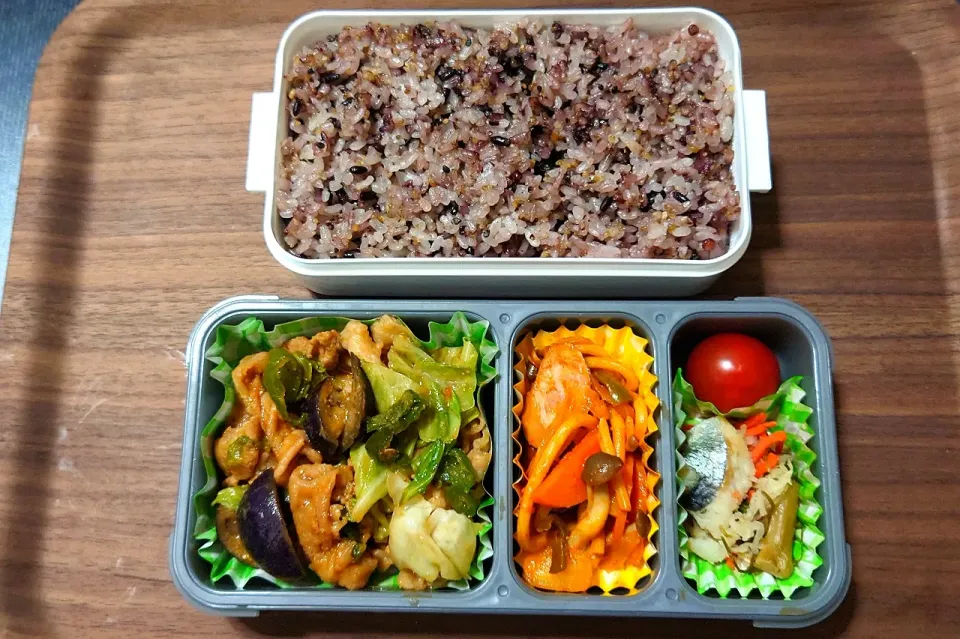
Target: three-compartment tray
[(671, 328)]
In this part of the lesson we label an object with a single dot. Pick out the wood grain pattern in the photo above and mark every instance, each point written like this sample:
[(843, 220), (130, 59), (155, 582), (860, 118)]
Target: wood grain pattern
[(132, 218)]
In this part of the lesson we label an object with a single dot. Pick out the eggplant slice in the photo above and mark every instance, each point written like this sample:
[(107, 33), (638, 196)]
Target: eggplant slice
[(336, 409), (264, 531)]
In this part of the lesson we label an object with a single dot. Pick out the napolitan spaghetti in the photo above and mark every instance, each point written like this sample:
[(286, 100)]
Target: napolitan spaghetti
[(584, 516)]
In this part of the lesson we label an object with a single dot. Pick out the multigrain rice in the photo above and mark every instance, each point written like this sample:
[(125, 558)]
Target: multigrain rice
[(526, 140)]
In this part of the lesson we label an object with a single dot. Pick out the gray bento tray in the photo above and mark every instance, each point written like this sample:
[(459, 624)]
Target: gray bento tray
[(671, 327)]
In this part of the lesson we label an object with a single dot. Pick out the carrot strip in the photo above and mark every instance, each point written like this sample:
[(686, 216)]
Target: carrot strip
[(731, 565), (752, 421), (563, 487), (766, 443), (621, 494), (630, 379), (545, 457), (772, 460), (640, 422), (627, 412), (619, 524), (627, 475), (766, 464), (761, 468), (760, 429), (626, 472), (606, 442)]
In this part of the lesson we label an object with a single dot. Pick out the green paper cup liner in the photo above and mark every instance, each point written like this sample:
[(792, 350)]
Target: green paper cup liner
[(787, 408), (233, 343)]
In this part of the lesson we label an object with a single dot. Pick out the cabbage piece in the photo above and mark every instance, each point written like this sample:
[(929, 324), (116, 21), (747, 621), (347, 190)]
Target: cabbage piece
[(469, 415), (443, 385), (412, 546), (465, 356), (387, 385), (432, 542), (369, 481), (442, 423), (456, 536), (457, 370)]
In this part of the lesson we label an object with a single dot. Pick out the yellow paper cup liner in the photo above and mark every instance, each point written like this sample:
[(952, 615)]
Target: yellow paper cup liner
[(628, 348)]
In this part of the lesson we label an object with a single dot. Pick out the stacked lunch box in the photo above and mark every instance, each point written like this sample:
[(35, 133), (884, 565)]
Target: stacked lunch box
[(573, 291)]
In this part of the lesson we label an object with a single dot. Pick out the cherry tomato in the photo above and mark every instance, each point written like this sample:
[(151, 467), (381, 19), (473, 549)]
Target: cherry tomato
[(732, 370)]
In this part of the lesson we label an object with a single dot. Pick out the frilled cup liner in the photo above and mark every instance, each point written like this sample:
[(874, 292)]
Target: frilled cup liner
[(629, 348), (785, 407), (232, 344)]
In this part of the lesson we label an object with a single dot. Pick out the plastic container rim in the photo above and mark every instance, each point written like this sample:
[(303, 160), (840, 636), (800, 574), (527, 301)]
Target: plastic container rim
[(514, 266)]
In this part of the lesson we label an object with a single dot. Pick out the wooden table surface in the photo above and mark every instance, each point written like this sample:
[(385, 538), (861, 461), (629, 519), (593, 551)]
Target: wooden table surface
[(132, 220)]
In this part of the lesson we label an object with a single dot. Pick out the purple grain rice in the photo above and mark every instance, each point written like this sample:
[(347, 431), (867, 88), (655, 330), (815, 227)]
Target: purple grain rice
[(442, 140)]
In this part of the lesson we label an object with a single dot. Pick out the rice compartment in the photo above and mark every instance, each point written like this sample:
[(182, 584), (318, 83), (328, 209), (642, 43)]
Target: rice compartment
[(525, 140)]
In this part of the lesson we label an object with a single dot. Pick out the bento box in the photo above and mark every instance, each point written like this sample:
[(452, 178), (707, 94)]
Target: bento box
[(670, 585), (511, 277)]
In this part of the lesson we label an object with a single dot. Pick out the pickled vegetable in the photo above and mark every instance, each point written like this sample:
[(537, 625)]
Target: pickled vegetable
[(776, 551)]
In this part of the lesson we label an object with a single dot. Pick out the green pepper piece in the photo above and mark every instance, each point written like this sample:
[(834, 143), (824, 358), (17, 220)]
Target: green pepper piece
[(458, 479), (406, 443), (401, 414), (618, 392), (465, 503), (379, 448), (230, 498), (289, 378), (283, 378), (395, 420), (425, 466), (457, 471), (776, 549), (237, 448)]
